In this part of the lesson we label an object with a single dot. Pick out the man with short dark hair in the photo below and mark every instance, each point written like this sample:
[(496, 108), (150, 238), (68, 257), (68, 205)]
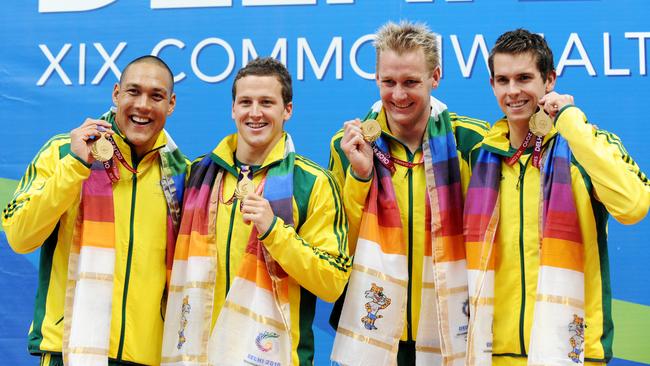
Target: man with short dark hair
[(404, 180), (102, 204), (263, 234), (536, 219)]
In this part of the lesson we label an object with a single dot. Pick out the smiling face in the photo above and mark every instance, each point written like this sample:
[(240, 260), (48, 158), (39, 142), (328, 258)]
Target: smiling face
[(144, 99), (405, 85), (259, 114), (518, 85)]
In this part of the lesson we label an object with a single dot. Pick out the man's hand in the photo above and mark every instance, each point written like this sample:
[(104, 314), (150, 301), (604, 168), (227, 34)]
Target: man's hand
[(356, 149), (553, 102), (257, 209), (83, 136)]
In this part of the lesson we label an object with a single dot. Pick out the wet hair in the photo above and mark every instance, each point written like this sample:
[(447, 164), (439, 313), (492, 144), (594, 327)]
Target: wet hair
[(266, 66), (521, 41), (155, 61), (408, 37)]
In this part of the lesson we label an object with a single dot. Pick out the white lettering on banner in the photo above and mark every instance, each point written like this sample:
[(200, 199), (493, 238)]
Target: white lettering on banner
[(333, 58), (353, 56), (54, 64), (642, 36), (59, 6), (250, 53), (170, 42), (109, 61), (195, 60), (574, 39), (466, 67), (608, 60), (335, 47), (175, 4)]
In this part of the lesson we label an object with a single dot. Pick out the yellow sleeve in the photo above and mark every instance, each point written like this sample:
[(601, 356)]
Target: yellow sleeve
[(50, 186), (617, 180), (355, 191), (317, 255)]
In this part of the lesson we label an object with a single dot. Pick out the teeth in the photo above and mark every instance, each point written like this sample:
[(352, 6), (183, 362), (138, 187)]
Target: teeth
[(517, 104), (140, 119), (256, 125)]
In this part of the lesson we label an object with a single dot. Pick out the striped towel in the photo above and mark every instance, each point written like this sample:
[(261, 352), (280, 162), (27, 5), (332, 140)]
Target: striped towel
[(374, 310), (557, 336), (254, 324), (89, 293)]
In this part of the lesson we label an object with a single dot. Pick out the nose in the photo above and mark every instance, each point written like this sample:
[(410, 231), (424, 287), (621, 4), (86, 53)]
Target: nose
[(256, 111), (513, 88), (143, 102), (399, 93)]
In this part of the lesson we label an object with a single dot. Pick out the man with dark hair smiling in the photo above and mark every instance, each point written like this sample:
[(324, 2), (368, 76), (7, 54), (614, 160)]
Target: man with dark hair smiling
[(102, 204), (536, 212), (263, 234)]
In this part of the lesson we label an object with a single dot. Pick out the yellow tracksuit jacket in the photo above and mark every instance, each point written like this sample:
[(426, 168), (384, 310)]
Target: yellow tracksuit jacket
[(605, 180), (410, 190), (42, 215), (314, 253)]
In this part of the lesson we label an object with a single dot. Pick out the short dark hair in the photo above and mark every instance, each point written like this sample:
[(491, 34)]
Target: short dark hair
[(521, 41), (152, 60), (266, 66)]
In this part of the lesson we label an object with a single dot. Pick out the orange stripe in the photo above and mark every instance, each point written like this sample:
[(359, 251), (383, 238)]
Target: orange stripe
[(474, 256), (98, 234), (255, 271), (453, 249), (562, 254), (390, 237)]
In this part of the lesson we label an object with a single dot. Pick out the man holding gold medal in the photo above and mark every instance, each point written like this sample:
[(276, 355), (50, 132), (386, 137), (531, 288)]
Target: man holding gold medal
[(404, 170), (263, 234), (102, 203), (536, 219)]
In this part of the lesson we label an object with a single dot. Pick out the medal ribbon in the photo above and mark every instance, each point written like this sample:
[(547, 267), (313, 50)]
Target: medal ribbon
[(536, 153), (109, 165), (389, 161)]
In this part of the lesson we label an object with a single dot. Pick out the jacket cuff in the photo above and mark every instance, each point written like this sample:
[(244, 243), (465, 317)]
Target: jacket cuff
[(269, 230)]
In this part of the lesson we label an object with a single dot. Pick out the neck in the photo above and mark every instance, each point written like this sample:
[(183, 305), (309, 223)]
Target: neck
[(249, 155), (411, 136), (518, 132)]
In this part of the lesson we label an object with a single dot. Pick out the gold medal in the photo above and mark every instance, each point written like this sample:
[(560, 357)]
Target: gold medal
[(101, 149), (244, 187), (540, 123), (371, 130)]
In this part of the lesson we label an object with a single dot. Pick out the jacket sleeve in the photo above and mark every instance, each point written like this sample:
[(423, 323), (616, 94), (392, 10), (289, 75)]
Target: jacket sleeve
[(354, 189), (48, 189), (617, 180), (317, 255)]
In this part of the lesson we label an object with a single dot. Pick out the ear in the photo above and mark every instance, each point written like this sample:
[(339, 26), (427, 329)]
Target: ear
[(492, 85), (288, 111), (172, 104), (232, 110), (116, 92), (377, 79), (435, 77), (550, 81)]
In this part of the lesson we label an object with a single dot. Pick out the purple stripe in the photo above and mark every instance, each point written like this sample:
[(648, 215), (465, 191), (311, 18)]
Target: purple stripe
[(480, 201)]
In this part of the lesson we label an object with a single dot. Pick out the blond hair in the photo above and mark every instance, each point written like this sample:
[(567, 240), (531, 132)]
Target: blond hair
[(408, 37)]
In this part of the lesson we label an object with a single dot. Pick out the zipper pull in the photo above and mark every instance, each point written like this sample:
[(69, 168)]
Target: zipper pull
[(522, 170)]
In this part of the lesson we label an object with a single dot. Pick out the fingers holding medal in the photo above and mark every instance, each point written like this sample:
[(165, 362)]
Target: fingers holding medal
[(83, 139)]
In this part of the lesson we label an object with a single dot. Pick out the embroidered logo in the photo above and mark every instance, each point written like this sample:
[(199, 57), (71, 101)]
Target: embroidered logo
[(577, 340), (378, 301), (185, 310), (265, 340)]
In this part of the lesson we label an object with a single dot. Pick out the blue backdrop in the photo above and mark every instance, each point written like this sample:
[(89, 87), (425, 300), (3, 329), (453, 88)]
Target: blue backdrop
[(60, 58)]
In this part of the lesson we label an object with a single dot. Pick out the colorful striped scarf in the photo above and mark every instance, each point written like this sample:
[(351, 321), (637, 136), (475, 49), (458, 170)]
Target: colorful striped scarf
[(374, 310), (253, 325), (87, 312), (557, 336)]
